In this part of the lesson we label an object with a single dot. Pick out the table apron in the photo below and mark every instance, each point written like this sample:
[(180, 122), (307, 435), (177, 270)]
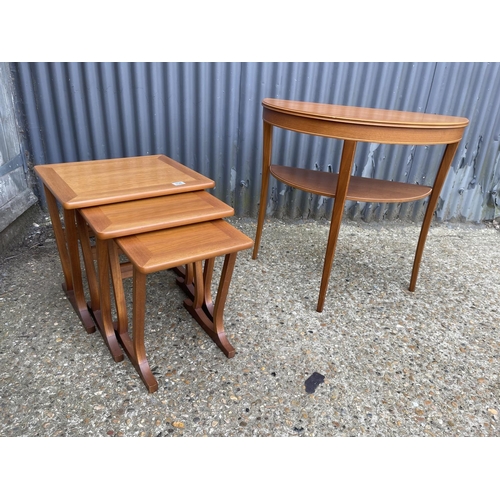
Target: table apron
[(380, 134)]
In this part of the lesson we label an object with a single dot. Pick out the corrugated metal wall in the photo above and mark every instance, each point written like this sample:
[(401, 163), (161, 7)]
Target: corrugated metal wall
[(208, 117)]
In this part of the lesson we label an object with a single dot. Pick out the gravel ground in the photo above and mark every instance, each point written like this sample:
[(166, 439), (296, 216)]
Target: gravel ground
[(387, 362)]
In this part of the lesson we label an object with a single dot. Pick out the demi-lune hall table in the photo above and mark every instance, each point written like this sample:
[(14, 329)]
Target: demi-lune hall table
[(352, 125)]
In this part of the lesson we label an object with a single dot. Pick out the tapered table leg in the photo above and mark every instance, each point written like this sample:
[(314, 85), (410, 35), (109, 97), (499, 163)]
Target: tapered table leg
[(134, 347), (266, 163), (138, 356), (67, 246), (431, 206), (88, 259), (346, 162)]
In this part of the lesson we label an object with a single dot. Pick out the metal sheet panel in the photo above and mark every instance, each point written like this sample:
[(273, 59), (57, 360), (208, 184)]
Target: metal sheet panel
[(16, 195), (208, 116), (9, 139)]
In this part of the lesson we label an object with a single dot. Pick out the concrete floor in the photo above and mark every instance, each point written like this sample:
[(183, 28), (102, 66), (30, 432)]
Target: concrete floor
[(389, 362)]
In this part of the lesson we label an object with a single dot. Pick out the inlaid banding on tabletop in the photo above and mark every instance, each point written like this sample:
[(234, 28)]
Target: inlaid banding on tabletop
[(57, 185)]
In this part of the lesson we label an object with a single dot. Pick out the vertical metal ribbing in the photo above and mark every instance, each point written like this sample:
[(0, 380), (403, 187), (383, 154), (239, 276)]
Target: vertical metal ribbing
[(209, 117)]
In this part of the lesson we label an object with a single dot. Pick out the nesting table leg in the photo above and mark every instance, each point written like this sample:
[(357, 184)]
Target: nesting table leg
[(76, 295), (207, 287), (88, 259), (102, 316), (138, 353), (198, 308), (60, 239), (134, 348), (186, 283), (117, 277), (197, 286), (67, 246)]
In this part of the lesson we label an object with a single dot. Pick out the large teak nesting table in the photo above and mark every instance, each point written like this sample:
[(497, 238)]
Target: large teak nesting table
[(91, 183), (185, 245)]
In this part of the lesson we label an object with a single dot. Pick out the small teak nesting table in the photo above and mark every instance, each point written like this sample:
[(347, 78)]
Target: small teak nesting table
[(187, 245), (353, 125)]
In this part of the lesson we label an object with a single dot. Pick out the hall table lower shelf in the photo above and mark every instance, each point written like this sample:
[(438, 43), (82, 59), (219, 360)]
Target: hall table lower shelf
[(352, 125)]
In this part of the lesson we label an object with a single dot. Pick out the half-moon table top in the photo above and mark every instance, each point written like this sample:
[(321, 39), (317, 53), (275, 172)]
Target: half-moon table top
[(367, 116)]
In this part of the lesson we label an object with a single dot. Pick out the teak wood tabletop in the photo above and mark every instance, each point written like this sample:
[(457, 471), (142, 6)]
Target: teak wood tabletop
[(352, 125), (100, 182)]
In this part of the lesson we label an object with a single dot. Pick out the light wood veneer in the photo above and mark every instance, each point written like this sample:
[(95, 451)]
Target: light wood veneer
[(353, 125)]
